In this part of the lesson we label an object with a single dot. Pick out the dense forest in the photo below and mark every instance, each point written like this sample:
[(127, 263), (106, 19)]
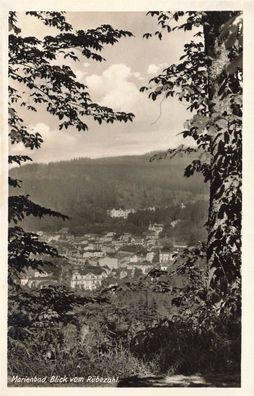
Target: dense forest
[(100, 184)]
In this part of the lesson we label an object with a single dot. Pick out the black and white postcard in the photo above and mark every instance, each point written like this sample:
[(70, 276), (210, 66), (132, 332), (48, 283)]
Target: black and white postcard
[(125, 196)]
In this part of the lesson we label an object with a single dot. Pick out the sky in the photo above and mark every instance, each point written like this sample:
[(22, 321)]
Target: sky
[(129, 64)]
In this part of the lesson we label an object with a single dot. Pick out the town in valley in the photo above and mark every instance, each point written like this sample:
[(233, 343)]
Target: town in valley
[(90, 261)]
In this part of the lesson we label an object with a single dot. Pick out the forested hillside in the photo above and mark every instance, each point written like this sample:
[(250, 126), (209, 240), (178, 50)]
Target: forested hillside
[(84, 189)]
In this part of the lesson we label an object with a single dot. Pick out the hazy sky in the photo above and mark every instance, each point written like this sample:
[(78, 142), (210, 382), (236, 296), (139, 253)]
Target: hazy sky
[(115, 83)]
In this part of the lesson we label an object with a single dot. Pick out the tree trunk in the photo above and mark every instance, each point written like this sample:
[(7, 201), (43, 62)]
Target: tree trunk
[(224, 221)]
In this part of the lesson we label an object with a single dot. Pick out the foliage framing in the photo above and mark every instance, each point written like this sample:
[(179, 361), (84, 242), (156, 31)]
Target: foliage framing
[(209, 79), (38, 80), (56, 88)]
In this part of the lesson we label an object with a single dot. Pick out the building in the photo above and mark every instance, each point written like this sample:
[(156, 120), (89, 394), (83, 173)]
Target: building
[(88, 278), (110, 262), (40, 233), (179, 248), (93, 254), (164, 256), (137, 241), (75, 257), (134, 258), (90, 246), (139, 266), (151, 242), (126, 237), (106, 238), (109, 249), (156, 228), (84, 242), (174, 223), (53, 238), (120, 213), (36, 279), (164, 266), (150, 256), (111, 234), (123, 258)]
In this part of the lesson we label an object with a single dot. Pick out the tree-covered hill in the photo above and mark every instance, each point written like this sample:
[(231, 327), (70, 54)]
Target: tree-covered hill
[(85, 188)]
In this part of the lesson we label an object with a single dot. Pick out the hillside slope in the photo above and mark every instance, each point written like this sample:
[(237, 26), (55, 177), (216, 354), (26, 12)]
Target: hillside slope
[(84, 188)]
